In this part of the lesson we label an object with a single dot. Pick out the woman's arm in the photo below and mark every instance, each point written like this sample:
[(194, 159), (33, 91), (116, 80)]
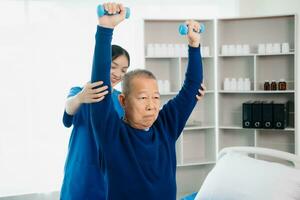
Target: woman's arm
[(79, 96), (89, 94)]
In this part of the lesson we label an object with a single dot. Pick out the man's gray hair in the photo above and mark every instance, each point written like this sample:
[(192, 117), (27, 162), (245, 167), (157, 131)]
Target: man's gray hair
[(133, 74)]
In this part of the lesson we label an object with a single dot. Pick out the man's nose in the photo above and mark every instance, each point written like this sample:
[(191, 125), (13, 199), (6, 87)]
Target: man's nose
[(150, 105)]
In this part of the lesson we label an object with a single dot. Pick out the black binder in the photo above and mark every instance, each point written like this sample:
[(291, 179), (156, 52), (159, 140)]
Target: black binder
[(267, 112), (247, 114), (280, 116), (257, 114)]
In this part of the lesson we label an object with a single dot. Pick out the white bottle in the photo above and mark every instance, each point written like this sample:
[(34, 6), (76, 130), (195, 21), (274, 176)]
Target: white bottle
[(285, 47), (186, 51), (269, 48), (171, 50), (233, 84), (163, 50), (226, 84), (177, 50), (224, 50), (183, 50), (247, 84), (150, 49), (203, 51), (206, 51), (166, 86), (232, 49), (161, 86), (157, 49), (239, 49), (261, 49), (246, 49), (276, 48), (240, 84)]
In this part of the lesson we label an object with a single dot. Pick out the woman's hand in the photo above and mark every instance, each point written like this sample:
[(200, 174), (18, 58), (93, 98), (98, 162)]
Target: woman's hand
[(91, 95), (201, 92)]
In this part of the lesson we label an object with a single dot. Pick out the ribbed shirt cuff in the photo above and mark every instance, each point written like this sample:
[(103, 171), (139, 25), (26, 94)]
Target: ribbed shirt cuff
[(104, 30), (194, 49)]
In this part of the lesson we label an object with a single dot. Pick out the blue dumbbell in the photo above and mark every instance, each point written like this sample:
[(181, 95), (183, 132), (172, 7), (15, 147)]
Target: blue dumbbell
[(101, 11), (183, 29)]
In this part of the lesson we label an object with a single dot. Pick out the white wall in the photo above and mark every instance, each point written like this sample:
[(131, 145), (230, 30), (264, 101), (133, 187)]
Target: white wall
[(277, 7), (45, 48)]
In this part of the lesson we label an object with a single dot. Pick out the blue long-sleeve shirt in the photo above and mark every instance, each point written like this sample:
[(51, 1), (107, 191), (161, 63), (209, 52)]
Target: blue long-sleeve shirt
[(140, 164), (83, 178)]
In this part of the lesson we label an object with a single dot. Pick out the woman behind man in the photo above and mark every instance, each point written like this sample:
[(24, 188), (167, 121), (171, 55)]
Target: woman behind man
[(83, 178)]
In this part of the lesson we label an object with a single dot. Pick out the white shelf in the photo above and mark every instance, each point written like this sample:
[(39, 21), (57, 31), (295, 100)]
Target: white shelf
[(209, 91), (163, 57), (196, 164), (258, 92), (188, 128), (238, 55), (256, 54), (172, 57), (286, 129), (169, 93), (231, 127), (262, 129), (175, 93), (201, 56), (276, 54)]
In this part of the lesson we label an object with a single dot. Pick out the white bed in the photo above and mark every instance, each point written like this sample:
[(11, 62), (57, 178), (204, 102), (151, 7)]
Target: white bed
[(237, 176)]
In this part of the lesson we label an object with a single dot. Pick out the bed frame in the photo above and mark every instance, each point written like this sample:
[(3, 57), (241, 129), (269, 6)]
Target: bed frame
[(294, 159)]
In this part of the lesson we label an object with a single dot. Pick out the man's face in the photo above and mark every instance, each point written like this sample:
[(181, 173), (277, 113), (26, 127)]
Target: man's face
[(143, 102)]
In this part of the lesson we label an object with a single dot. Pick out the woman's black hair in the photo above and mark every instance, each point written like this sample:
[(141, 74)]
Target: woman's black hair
[(117, 51)]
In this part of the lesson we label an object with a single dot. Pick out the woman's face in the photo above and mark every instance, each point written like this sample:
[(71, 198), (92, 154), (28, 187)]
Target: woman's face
[(119, 68)]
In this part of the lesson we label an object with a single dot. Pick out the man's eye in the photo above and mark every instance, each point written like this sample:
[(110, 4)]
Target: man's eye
[(143, 98)]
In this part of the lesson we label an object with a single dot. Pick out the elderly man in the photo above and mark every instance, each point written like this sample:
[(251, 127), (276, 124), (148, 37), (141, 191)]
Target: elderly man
[(138, 152)]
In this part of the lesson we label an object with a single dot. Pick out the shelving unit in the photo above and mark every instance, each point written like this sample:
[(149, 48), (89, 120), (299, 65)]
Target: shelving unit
[(216, 121), (259, 67)]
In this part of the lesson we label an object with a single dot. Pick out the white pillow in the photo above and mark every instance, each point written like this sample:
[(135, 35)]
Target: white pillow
[(239, 177)]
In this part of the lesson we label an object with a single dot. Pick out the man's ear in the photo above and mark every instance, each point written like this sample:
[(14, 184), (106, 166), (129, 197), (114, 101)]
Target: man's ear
[(121, 98)]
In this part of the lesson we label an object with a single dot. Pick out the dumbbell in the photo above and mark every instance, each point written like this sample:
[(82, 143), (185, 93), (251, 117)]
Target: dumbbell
[(101, 11), (183, 29)]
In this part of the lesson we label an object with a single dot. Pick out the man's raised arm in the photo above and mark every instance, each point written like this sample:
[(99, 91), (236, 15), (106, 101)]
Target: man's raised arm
[(103, 113), (176, 112)]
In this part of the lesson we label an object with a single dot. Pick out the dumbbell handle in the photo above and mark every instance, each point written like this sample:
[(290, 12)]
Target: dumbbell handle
[(183, 29), (101, 11)]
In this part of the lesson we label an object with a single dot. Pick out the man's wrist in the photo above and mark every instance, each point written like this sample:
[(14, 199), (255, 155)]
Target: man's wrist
[(78, 98), (194, 45), (106, 26)]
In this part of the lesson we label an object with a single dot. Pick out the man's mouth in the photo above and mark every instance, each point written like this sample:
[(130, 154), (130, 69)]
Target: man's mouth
[(149, 116)]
